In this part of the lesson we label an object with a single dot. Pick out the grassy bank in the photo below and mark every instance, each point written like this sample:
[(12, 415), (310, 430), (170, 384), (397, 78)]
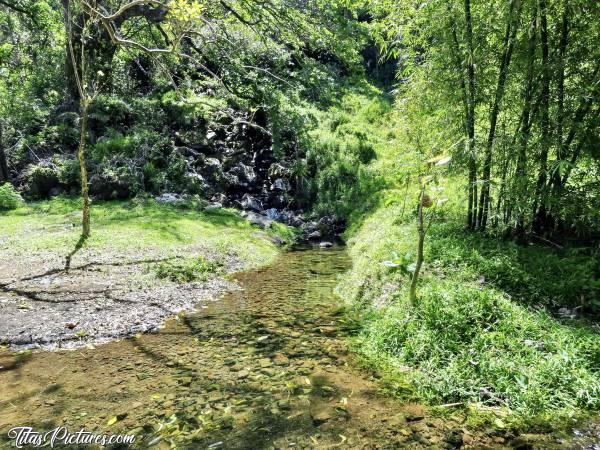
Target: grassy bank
[(136, 227), (486, 332), (478, 334)]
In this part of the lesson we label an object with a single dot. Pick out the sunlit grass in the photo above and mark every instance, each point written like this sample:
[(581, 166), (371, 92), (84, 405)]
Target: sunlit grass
[(479, 341), (54, 226)]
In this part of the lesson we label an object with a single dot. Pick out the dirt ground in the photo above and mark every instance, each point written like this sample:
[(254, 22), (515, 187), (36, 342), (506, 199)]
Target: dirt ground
[(103, 296)]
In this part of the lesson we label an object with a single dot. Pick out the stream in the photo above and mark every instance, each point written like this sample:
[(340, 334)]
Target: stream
[(263, 367)]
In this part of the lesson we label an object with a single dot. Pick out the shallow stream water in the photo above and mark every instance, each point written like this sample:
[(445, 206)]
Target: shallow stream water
[(263, 367)]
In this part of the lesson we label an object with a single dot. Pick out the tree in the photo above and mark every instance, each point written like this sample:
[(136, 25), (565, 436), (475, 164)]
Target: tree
[(432, 182)]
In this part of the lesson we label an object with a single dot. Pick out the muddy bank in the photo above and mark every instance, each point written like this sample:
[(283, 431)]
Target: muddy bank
[(103, 296)]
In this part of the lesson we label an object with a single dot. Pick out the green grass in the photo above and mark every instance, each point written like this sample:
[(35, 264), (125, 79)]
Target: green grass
[(469, 340), (187, 270), (135, 227)]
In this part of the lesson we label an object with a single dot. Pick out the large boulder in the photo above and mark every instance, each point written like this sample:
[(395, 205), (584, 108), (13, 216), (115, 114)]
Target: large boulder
[(252, 203), (39, 180), (257, 219), (107, 186)]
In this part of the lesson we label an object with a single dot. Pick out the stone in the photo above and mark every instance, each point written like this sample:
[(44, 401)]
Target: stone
[(220, 198), (244, 173), (325, 244), (321, 414), (212, 165), (257, 219), (265, 362), (167, 198), (414, 417), (215, 396), (455, 438), (314, 235), (272, 214), (213, 206), (280, 185), (277, 170), (249, 202)]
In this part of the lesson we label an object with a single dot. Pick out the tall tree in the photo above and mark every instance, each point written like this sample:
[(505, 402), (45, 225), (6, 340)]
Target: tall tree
[(512, 24)]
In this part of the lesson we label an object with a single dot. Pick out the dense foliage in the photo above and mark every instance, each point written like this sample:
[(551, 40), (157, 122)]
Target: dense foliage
[(512, 87)]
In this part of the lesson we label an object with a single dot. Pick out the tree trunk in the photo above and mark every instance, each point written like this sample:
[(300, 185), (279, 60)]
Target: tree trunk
[(471, 118), (539, 216), (421, 241), (521, 169), (560, 88), (509, 38), (3, 164), (85, 223)]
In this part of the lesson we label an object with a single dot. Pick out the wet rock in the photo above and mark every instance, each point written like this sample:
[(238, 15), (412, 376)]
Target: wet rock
[(321, 414), (325, 244), (314, 235)]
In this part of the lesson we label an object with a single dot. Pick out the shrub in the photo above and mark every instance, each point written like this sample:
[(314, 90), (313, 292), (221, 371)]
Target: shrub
[(9, 197), (68, 171), (40, 179), (186, 270)]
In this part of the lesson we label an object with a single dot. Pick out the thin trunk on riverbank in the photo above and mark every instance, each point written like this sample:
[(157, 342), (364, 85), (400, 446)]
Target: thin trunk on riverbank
[(420, 244)]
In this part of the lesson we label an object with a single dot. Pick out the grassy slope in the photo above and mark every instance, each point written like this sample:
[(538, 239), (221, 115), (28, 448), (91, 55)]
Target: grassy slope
[(478, 340), (134, 227)]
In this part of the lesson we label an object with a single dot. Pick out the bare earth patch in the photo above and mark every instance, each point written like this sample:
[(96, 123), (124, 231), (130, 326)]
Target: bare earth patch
[(105, 295)]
